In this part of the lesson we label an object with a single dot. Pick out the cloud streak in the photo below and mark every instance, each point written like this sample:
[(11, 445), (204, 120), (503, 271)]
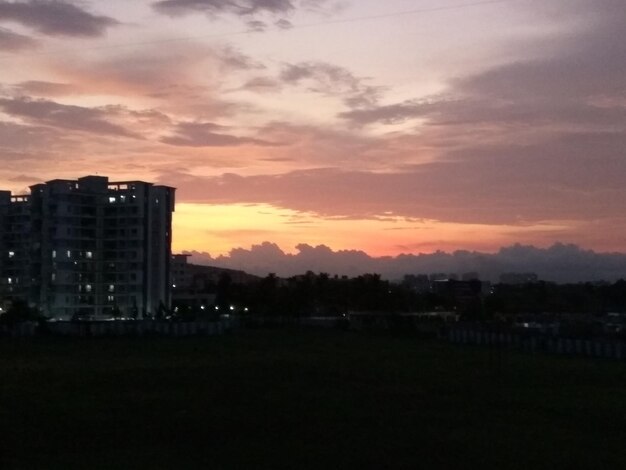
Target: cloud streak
[(14, 42), (534, 183), (56, 18), (207, 134), (78, 118), (332, 80), (214, 7)]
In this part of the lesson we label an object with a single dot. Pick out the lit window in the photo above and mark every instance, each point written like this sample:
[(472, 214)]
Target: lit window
[(111, 288), (89, 255), (11, 254), (10, 280), (69, 254), (54, 253), (88, 287), (53, 277), (111, 298), (112, 199)]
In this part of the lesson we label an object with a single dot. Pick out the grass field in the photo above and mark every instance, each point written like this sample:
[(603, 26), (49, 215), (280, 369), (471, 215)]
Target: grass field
[(303, 400)]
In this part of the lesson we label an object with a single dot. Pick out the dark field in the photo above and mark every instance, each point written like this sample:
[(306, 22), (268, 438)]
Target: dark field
[(311, 400)]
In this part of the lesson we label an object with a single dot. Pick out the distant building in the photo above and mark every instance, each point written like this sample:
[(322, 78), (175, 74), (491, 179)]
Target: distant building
[(87, 248), (182, 276), (518, 278), (460, 293), (417, 282), (196, 286), (470, 276), (198, 277)]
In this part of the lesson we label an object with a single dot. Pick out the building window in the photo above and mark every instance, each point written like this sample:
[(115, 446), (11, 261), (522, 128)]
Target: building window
[(54, 253), (112, 200), (69, 254), (89, 255), (111, 298), (111, 288), (11, 254), (88, 287)]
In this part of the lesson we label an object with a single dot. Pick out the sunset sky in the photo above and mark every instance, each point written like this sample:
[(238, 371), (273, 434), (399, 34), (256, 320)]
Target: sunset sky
[(395, 126)]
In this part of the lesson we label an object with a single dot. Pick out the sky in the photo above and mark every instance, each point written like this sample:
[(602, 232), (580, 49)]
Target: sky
[(395, 127)]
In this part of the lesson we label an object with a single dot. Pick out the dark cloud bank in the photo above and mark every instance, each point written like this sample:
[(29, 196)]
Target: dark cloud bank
[(559, 263), (239, 8), (55, 18)]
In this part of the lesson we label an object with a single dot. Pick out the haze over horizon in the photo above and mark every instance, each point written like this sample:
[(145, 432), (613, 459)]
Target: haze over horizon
[(560, 262), (386, 128)]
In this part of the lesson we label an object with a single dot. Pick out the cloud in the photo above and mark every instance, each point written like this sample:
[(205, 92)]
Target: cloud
[(206, 134), (387, 114), (250, 10), (43, 88), (559, 262), (234, 59), (283, 24), (21, 138), (216, 7), (523, 141), (574, 177), (332, 80), (256, 26), (78, 118), (269, 257), (577, 81), (13, 42), (25, 179), (262, 85), (185, 78), (312, 145), (55, 18)]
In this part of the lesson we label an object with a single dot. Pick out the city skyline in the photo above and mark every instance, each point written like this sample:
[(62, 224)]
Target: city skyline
[(403, 127)]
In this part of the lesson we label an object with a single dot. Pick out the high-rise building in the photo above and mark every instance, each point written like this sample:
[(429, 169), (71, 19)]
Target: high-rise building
[(88, 247)]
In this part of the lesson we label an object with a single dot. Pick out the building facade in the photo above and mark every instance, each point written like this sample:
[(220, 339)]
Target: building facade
[(88, 248)]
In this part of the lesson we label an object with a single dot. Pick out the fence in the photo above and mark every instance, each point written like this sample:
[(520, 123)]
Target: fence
[(534, 343), (138, 328)]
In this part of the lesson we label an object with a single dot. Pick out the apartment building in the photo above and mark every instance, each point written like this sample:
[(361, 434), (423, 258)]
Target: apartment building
[(88, 248)]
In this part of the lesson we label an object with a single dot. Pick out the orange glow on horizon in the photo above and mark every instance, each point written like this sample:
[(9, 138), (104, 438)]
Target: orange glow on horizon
[(216, 229)]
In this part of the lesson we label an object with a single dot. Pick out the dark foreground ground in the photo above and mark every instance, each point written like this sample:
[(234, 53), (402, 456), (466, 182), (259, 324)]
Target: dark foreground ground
[(303, 400)]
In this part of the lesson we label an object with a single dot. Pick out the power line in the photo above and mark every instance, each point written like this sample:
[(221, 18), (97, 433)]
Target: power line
[(356, 19), (402, 13)]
